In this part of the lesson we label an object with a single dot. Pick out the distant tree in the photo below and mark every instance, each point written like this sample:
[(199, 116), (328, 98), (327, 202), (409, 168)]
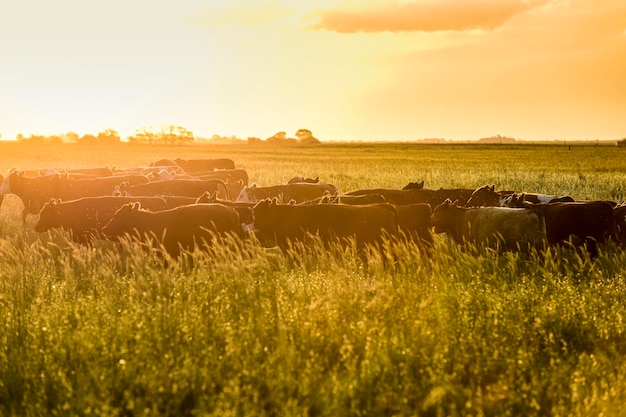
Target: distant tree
[(281, 138), (174, 135), (306, 137), (108, 136), (143, 135), (621, 142), (254, 140), (277, 137), (20, 137), (167, 135)]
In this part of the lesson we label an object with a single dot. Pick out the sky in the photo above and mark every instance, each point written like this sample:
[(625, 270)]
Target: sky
[(354, 70)]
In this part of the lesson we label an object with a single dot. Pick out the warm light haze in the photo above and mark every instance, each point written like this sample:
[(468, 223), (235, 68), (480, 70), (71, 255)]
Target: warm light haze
[(372, 70)]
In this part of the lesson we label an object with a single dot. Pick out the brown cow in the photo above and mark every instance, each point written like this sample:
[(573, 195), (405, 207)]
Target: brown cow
[(584, 224), (177, 229), (503, 227), (34, 191), (299, 192), (283, 223), (182, 187), (397, 197), (85, 217)]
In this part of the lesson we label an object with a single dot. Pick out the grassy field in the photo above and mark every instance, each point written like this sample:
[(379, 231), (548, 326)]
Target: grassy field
[(243, 331)]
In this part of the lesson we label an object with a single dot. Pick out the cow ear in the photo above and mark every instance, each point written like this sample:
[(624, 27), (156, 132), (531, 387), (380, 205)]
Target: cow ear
[(493, 188), (135, 206)]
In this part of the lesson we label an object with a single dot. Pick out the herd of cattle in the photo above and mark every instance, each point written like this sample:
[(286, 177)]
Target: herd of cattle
[(182, 204)]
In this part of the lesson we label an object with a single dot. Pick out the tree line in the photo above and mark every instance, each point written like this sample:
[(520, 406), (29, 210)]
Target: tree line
[(167, 135)]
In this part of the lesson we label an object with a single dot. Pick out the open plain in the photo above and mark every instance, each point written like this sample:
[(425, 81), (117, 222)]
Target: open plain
[(244, 330)]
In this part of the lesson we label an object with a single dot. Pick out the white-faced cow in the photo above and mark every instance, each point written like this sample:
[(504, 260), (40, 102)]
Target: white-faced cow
[(181, 228), (501, 227), (85, 217), (283, 223), (298, 192)]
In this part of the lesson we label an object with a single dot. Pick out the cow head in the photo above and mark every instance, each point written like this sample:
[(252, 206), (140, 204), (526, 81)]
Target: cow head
[(484, 196), (49, 216), (443, 216)]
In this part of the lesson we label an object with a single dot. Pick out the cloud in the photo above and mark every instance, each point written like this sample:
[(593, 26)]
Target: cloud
[(425, 15)]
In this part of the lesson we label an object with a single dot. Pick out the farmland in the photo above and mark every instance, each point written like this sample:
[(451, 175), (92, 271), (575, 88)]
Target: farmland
[(244, 330)]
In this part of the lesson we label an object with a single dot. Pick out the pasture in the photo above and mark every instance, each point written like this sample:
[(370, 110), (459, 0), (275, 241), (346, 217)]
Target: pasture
[(243, 330)]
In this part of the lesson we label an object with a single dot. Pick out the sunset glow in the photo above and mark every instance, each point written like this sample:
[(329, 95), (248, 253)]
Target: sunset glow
[(345, 69)]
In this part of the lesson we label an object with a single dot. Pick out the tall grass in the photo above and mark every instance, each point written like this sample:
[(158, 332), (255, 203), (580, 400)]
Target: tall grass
[(245, 330)]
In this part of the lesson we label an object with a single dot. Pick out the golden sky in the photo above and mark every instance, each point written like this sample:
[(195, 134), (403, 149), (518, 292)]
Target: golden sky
[(344, 69)]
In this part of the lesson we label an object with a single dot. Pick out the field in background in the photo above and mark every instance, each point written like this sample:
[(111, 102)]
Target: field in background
[(243, 331)]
